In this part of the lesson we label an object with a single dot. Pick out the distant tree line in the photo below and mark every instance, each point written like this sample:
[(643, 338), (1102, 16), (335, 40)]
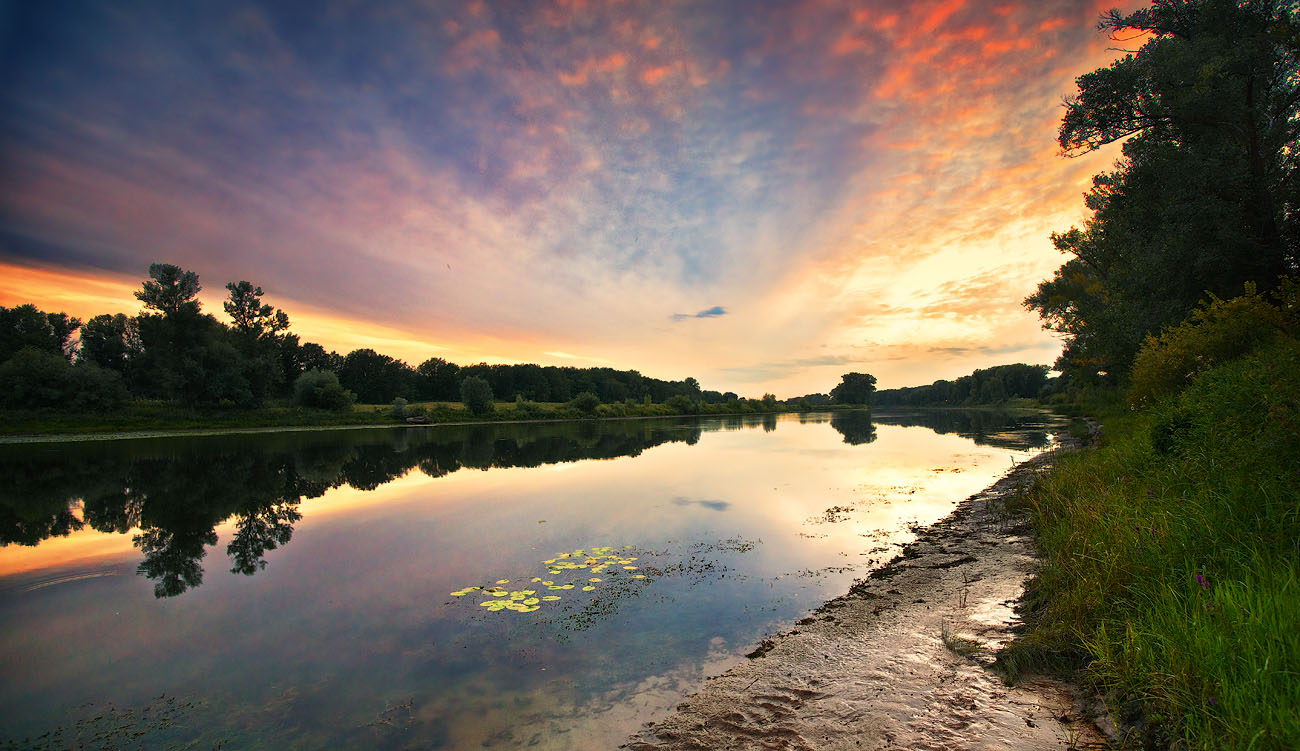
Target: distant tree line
[(988, 386), (173, 351)]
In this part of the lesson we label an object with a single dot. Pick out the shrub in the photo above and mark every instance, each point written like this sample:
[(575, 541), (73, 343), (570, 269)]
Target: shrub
[(398, 410), (320, 388), (37, 379), (585, 402), (682, 405), (476, 393), (1216, 332)]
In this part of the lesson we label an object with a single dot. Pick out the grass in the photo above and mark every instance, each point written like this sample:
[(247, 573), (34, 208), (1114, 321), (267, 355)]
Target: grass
[(1170, 574), (958, 645)]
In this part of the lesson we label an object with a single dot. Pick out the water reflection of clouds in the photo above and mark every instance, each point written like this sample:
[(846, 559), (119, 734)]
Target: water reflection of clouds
[(714, 505)]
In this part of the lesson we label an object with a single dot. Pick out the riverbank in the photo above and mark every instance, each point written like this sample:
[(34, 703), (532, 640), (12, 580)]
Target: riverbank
[(903, 660), (154, 422)]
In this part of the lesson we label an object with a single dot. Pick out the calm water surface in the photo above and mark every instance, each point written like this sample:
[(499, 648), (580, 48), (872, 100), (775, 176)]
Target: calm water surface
[(295, 590)]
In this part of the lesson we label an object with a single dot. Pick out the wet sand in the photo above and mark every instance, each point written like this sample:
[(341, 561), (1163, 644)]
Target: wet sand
[(900, 662)]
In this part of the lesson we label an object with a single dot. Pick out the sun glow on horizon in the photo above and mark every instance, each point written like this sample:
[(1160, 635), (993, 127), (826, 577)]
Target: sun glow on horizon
[(761, 200)]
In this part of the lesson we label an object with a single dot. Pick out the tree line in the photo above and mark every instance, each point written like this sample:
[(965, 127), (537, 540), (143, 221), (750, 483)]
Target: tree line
[(174, 351), (987, 386)]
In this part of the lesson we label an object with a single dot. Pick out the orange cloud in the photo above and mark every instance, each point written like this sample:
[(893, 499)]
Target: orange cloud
[(940, 13), (592, 65), (653, 76)]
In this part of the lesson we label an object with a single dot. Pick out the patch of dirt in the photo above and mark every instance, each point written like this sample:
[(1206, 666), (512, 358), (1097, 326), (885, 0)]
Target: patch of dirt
[(905, 661)]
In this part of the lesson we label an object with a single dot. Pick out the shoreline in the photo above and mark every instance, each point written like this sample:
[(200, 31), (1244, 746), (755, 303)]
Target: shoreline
[(24, 438), (128, 434), (903, 660)]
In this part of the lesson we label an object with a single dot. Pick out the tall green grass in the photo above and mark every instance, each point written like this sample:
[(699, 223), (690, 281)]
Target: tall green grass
[(1170, 568)]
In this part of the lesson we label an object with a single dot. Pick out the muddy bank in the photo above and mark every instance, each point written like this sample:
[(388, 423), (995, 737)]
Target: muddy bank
[(901, 661)]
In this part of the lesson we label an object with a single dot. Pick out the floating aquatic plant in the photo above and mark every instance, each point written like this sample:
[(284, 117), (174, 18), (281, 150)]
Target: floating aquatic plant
[(591, 560)]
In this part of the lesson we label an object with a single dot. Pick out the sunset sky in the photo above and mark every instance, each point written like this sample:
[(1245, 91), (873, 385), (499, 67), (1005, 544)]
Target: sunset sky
[(761, 195)]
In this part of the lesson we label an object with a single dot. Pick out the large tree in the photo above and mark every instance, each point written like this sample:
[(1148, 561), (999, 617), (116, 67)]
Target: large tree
[(854, 388), (1203, 197)]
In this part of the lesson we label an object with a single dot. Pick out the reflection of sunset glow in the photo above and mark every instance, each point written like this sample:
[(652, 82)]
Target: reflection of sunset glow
[(515, 187), (907, 475)]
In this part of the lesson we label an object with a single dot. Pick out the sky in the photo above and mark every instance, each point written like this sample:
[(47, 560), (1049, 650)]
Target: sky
[(760, 195)]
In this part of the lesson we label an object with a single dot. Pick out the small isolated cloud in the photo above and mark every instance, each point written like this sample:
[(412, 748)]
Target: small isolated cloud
[(714, 312)]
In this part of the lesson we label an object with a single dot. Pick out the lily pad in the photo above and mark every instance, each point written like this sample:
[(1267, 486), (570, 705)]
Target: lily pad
[(588, 588), (550, 598)]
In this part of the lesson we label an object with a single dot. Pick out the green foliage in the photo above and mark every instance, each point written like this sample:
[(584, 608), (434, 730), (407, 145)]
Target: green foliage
[(375, 378), (586, 402), (398, 410), (994, 385), (1169, 563), (36, 379), (321, 388), (1217, 331), (476, 395), (854, 388), (1204, 198), (680, 404)]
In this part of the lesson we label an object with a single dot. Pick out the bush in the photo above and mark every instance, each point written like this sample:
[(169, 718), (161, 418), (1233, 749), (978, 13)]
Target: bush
[(476, 393), (682, 405), (320, 388), (37, 379), (585, 402), (1216, 332), (398, 410)]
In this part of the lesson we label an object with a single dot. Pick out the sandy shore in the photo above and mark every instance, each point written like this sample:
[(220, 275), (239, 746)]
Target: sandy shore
[(901, 661)]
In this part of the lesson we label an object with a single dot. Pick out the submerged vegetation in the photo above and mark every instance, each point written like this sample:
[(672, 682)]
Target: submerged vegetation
[(1170, 575)]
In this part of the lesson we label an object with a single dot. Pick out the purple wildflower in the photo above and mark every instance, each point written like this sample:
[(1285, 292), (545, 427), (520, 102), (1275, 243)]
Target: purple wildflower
[(1201, 580)]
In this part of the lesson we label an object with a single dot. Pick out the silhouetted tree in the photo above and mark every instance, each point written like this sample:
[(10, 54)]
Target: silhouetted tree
[(170, 291), (854, 388), (25, 327)]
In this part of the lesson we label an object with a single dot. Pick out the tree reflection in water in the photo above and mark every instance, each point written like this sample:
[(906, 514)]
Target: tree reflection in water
[(174, 492)]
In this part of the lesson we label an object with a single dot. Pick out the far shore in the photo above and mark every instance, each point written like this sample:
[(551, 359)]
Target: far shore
[(499, 418), (377, 415)]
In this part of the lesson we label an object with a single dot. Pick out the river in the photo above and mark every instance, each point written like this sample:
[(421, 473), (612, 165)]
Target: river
[(549, 585)]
